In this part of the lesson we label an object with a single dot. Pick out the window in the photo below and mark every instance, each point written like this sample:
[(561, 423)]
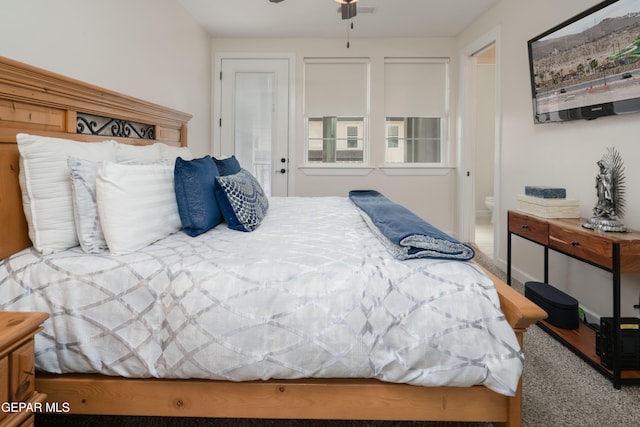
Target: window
[(393, 133), (416, 109), (335, 139), (413, 140), (352, 137), (336, 110)]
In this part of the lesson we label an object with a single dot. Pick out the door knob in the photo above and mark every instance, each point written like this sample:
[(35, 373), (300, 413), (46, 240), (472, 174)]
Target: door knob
[(283, 170)]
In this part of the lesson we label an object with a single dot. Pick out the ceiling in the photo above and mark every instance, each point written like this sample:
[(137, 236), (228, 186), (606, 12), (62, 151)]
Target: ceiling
[(320, 18)]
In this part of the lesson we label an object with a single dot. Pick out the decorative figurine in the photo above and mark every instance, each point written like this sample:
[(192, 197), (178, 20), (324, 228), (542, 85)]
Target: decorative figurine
[(610, 189)]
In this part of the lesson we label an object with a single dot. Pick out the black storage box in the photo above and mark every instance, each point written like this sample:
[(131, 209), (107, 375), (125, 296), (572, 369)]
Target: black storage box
[(629, 345), (562, 309)]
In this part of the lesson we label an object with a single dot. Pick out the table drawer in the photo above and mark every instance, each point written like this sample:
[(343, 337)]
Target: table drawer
[(529, 227), (588, 246), (22, 372)]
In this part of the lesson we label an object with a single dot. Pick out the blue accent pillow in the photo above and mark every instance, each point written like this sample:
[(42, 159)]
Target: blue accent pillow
[(241, 200), (228, 166), (194, 184)]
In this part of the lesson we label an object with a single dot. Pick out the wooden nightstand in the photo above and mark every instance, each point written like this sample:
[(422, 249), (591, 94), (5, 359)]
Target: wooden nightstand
[(17, 372)]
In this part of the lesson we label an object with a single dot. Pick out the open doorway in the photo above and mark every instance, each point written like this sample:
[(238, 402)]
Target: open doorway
[(484, 63), (472, 102)]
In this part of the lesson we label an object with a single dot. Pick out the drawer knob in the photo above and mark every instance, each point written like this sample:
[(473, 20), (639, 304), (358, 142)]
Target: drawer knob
[(574, 243), (525, 226)]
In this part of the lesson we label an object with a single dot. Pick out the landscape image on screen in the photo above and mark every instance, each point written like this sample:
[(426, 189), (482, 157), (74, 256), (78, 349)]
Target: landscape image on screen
[(592, 61)]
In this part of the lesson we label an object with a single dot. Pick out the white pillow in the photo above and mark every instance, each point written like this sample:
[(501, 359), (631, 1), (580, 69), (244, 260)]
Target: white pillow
[(170, 153), (85, 210), (46, 187), (136, 204), (126, 153)]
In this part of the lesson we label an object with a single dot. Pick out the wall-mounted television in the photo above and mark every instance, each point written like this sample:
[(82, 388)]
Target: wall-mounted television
[(588, 66)]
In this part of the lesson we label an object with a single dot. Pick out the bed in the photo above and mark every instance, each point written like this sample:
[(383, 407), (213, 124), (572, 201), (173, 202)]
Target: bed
[(37, 102)]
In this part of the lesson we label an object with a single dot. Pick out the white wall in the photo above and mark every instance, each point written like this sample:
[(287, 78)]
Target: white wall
[(561, 155), (431, 197), (149, 49)]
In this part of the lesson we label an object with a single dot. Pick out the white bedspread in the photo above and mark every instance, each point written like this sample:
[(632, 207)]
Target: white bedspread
[(310, 293)]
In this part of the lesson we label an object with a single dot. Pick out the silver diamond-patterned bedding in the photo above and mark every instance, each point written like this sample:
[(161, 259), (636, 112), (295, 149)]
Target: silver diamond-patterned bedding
[(310, 293)]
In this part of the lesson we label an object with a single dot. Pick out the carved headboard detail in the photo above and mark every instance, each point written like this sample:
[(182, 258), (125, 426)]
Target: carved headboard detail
[(40, 102)]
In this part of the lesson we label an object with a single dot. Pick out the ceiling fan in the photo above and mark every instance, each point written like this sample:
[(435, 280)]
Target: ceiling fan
[(347, 7)]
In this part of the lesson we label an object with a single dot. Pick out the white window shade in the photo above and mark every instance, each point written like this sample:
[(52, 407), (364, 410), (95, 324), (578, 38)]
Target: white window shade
[(416, 89), (336, 89)]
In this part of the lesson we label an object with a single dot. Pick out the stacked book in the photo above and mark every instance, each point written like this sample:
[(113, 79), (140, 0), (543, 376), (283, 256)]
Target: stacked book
[(548, 202)]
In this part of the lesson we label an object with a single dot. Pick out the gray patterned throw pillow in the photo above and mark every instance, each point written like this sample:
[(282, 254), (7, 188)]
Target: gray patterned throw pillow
[(242, 200), (85, 211)]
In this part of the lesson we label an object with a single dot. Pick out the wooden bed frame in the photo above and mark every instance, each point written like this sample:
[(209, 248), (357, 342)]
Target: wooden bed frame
[(40, 102)]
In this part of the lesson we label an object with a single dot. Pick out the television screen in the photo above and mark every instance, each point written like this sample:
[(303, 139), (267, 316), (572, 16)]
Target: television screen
[(589, 65)]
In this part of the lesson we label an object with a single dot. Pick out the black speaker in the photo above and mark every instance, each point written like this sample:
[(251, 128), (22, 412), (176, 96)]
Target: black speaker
[(629, 342)]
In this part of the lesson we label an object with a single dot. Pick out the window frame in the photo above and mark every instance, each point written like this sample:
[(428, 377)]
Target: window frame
[(359, 167), (345, 139), (443, 165)]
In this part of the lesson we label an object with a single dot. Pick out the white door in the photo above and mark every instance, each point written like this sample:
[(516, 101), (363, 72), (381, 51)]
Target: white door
[(254, 119)]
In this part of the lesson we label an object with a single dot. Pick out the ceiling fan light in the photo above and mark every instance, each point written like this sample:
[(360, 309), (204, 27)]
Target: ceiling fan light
[(348, 10), (346, 1)]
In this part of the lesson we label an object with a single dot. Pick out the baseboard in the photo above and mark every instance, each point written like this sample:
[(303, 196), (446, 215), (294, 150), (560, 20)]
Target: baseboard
[(516, 273)]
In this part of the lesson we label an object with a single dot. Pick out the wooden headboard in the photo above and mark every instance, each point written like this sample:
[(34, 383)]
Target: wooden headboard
[(39, 102)]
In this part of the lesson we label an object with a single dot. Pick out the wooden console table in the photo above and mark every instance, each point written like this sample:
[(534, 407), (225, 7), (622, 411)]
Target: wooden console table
[(615, 252)]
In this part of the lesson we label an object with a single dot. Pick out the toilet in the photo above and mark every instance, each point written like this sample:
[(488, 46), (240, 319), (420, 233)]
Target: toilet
[(488, 202)]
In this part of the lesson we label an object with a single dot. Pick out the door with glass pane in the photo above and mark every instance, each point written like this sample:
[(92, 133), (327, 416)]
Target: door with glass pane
[(254, 119)]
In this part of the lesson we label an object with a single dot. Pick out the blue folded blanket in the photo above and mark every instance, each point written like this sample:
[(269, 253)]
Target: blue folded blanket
[(405, 234)]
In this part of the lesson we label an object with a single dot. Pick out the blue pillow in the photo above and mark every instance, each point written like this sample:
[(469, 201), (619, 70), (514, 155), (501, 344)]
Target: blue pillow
[(228, 166), (241, 200), (194, 184)]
